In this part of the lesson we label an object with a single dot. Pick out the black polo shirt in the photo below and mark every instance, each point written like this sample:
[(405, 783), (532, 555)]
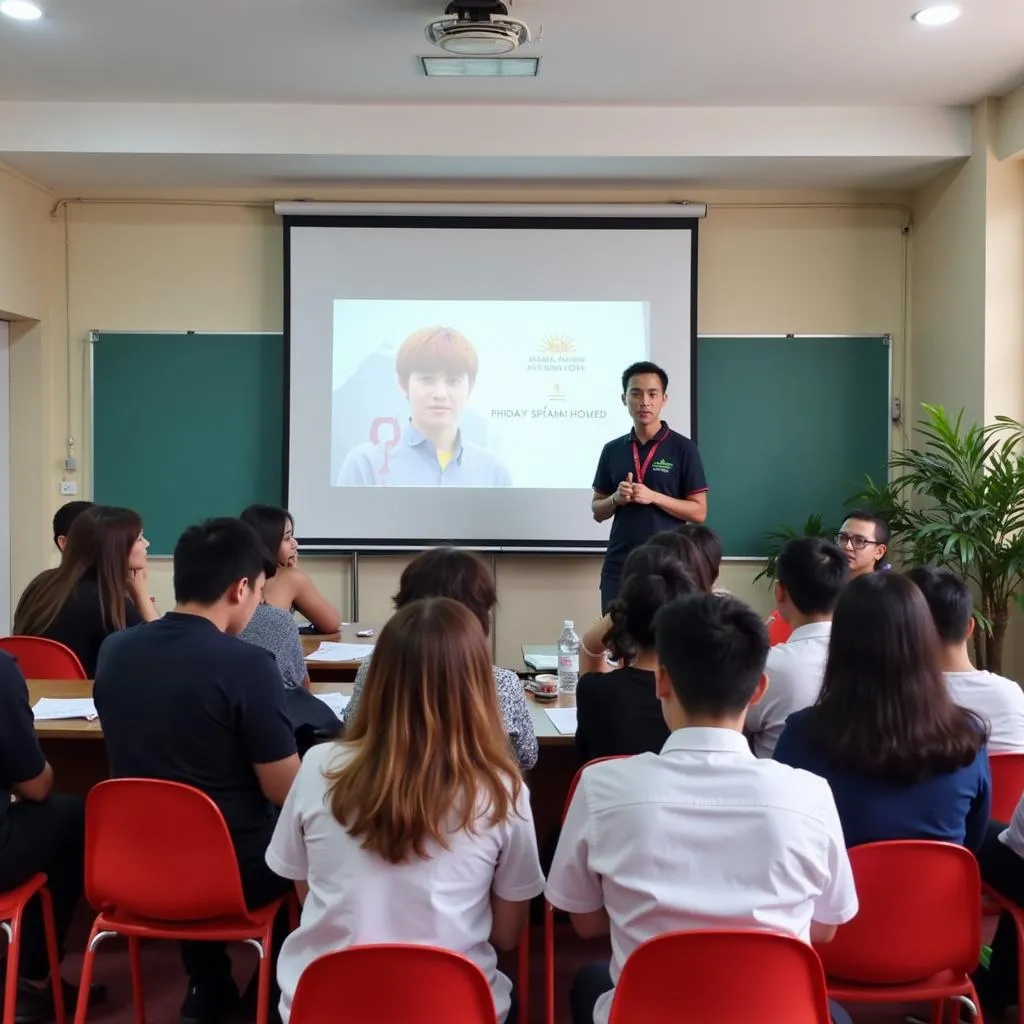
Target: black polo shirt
[(675, 470), (180, 700), (20, 756), (618, 713)]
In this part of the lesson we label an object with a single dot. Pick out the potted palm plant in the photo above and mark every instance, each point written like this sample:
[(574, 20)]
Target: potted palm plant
[(814, 526), (958, 501)]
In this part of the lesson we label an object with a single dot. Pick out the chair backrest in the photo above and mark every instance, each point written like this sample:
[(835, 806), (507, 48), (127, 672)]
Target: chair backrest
[(1007, 784), (726, 976), (920, 913), (779, 630), (159, 850), (576, 778), (393, 984), (39, 658)]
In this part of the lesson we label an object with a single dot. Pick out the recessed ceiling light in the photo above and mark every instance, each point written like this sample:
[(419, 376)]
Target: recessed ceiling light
[(939, 14), (23, 10)]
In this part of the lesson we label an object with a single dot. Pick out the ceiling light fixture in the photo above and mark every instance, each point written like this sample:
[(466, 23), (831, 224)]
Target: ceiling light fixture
[(937, 15), (480, 67), (22, 10)]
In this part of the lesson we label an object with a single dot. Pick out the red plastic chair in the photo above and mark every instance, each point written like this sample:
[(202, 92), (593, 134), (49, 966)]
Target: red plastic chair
[(728, 976), (1000, 902), (159, 864), (393, 984), (12, 908), (779, 630), (549, 910), (1007, 784), (917, 935), (39, 658)]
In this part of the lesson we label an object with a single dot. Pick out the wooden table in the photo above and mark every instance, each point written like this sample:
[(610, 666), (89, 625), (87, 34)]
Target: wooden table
[(337, 671)]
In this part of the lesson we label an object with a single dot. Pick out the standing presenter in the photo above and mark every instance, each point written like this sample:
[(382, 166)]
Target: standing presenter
[(647, 481)]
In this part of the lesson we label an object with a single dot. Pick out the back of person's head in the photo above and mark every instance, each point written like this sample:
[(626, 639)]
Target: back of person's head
[(98, 546), (708, 543), (812, 572), (427, 740), (221, 559), (685, 548), (270, 522), (64, 517), (453, 573), (949, 600), (884, 710), (713, 648), (652, 576)]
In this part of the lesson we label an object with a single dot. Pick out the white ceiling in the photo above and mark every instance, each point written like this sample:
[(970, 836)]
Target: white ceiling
[(718, 52), (609, 56)]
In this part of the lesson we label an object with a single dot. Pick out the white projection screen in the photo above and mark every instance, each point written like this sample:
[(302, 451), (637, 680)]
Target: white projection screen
[(454, 372)]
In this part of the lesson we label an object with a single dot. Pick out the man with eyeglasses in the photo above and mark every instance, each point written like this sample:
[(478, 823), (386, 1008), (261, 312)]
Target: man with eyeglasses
[(864, 539)]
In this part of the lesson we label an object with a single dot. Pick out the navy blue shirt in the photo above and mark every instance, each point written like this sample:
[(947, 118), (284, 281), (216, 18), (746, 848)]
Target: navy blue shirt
[(21, 759), (180, 700), (675, 470), (953, 807)]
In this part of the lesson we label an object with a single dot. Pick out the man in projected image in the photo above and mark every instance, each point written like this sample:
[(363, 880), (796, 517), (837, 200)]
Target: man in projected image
[(437, 368), (649, 480)]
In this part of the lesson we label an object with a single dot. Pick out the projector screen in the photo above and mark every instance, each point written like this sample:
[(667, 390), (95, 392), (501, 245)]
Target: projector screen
[(454, 378)]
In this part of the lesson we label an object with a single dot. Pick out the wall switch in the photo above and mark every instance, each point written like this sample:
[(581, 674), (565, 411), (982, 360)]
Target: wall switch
[(68, 487), (71, 464)]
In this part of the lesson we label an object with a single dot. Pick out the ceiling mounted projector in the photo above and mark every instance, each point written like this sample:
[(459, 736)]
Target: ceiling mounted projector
[(477, 28)]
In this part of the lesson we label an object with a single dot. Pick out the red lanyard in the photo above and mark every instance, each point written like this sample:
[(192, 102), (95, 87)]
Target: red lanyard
[(641, 471)]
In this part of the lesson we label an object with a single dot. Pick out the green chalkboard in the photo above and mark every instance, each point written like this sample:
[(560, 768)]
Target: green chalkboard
[(187, 426), (788, 426)]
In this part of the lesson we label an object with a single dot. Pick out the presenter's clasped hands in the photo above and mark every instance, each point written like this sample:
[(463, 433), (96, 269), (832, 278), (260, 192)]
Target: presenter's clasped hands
[(629, 492)]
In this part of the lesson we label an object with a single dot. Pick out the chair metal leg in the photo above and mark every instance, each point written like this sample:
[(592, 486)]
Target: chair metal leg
[(263, 981), (88, 963), (524, 975), (50, 932), (938, 1011), (12, 929), (549, 963), (135, 963)]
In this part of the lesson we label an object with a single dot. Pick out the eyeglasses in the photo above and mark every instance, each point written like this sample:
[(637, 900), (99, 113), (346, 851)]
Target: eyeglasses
[(857, 542)]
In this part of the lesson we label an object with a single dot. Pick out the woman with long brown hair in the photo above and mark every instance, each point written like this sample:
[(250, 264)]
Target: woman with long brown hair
[(100, 586), (903, 761), (417, 826)]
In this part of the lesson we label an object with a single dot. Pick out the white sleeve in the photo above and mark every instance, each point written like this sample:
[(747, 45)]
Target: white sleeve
[(837, 903), (286, 853), (518, 876), (572, 886)]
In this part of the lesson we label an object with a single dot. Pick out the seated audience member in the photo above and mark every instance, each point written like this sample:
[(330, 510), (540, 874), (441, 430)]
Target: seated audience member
[(463, 577), (275, 630), (686, 549), (903, 761), (40, 831), (64, 517), (617, 709), (99, 588), (185, 700), (290, 588), (1001, 859), (708, 544), (995, 699), (864, 539), (704, 834), (428, 842), (810, 576)]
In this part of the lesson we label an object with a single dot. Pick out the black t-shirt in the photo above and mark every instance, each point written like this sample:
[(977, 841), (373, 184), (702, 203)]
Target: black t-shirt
[(20, 756), (80, 626), (675, 470), (180, 700), (618, 713)]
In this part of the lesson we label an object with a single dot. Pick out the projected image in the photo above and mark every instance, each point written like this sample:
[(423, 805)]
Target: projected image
[(478, 394)]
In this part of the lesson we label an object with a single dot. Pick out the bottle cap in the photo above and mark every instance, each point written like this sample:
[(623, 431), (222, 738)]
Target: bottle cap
[(568, 624)]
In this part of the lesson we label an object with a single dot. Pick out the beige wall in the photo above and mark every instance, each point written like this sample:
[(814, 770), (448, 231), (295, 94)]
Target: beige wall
[(772, 263)]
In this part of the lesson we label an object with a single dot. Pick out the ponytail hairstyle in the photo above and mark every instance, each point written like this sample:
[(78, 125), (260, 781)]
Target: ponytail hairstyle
[(652, 577)]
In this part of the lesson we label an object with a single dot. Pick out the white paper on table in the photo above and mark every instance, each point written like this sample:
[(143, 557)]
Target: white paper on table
[(541, 662), (337, 702), (50, 709), (563, 719), (332, 650)]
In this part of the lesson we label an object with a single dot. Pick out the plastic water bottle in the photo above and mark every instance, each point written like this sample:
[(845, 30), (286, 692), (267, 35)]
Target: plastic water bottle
[(568, 658)]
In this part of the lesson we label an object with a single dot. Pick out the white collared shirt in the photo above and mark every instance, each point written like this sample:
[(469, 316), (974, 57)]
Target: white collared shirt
[(997, 700), (356, 897), (795, 670), (702, 835)]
